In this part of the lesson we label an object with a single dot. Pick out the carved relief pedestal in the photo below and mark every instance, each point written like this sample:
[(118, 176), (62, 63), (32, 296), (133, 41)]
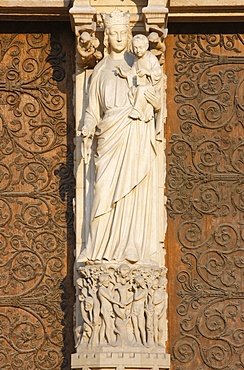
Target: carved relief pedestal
[(124, 316), (121, 305)]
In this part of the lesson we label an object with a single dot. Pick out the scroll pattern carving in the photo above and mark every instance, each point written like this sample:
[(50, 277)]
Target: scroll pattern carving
[(205, 198), (36, 188)]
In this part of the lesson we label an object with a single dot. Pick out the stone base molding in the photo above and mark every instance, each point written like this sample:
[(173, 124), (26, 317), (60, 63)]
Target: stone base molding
[(179, 11), (120, 360), (206, 11), (33, 10)]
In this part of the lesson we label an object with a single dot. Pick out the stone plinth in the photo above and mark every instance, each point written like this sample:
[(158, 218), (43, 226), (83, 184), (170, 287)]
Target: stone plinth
[(120, 360)]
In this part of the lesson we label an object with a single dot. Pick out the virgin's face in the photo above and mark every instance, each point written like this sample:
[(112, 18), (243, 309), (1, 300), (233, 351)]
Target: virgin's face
[(118, 38)]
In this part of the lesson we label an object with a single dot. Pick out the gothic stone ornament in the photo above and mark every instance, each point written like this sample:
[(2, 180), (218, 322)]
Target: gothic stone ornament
[(123, 310), (156, 38), (122, 306), (87, 45), (155, 14)]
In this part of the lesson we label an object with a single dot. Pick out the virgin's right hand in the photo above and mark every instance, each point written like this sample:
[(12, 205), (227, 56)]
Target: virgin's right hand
[(85, 131), (86, 149)]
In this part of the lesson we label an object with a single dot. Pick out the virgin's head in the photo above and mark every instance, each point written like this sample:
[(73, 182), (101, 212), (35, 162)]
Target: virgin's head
[(117, 38), (117, 35)]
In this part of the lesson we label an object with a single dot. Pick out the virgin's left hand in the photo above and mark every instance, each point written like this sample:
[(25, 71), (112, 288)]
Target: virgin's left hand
[(153, 98)]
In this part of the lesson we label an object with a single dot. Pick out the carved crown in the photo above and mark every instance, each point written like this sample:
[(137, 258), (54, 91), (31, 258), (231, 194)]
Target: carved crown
[(116, 17)]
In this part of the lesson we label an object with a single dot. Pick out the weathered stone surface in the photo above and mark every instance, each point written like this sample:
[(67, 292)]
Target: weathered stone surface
[(121, 360), (206, 3), (35, 3), (31, 10), (206, 10)]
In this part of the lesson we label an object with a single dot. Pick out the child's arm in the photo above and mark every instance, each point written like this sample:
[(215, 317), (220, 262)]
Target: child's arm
[(144, 72)]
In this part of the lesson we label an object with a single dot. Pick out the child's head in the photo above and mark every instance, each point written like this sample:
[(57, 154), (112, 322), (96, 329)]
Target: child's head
[(140, 45)]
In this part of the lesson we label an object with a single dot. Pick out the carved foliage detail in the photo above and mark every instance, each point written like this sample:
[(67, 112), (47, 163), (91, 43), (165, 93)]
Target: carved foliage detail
[(35, 188), (205, 198)]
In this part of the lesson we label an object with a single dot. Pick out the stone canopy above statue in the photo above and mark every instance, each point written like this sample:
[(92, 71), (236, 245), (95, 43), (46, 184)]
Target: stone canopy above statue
[(143, 13), (86, 19)]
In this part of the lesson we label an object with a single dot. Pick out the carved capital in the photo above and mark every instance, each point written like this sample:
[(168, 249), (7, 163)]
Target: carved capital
[(82, 14), (84, 25), (155, 14)]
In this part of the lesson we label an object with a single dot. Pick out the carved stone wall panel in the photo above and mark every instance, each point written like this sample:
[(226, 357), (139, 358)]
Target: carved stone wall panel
[(205, 199), (36, 191)]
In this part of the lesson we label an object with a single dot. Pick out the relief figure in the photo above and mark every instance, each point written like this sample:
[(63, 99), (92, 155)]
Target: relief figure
[(138, 310), (124, 294), (159, 301), (105, 296)]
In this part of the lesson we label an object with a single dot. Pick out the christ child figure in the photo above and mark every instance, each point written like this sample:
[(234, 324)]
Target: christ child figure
[(144, 76)]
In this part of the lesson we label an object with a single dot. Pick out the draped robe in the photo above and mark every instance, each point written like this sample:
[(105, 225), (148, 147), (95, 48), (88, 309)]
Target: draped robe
[(124, 215)]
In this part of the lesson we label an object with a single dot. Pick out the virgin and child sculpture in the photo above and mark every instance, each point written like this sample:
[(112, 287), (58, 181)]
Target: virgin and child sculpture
[(121, 114)]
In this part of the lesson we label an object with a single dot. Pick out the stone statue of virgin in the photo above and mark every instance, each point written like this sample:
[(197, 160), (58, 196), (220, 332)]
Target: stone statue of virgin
[(124, 226)]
